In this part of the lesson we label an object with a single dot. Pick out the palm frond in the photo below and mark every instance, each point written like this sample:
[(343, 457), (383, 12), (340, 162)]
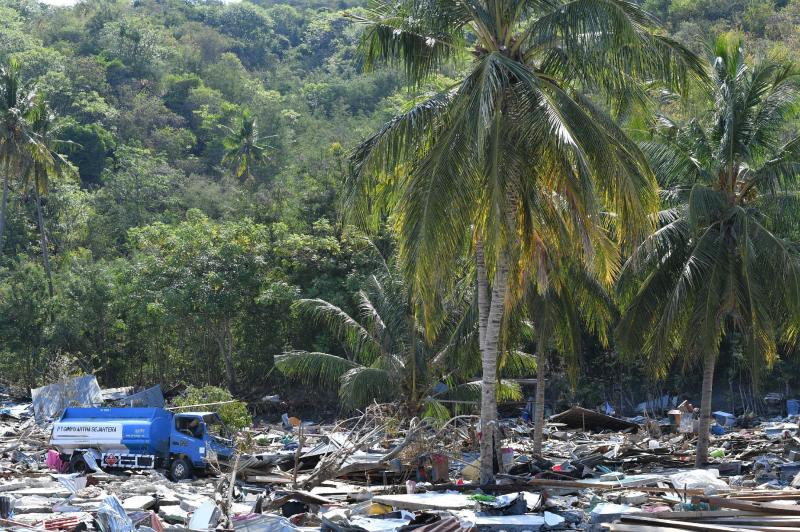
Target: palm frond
[(420, 35), (781, 171), (435, 410), (361, 344), (378, 162), (517, 364), (360, 386), (314, 369), (672, 165), (612, 45), (507, 390)]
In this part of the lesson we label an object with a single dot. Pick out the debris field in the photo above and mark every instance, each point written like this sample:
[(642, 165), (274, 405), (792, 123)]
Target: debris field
[(375, 473)]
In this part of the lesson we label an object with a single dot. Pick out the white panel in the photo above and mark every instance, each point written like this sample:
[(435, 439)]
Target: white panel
[(94, 433)]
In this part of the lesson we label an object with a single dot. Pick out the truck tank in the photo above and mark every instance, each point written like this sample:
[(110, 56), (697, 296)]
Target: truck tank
[(142, 431)]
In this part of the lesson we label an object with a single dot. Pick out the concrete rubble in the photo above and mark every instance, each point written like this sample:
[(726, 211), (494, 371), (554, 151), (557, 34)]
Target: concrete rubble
[(372, 473)]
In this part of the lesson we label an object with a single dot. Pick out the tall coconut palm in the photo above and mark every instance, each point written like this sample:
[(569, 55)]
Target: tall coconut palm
[(515, 144), (16, 137), (572, 302), (39, 165), (715, 266), (388, 354), (563, 297), (243, 148)]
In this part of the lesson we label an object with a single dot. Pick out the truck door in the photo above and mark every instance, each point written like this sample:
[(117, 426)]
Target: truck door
[(219, 438), (187, 438)]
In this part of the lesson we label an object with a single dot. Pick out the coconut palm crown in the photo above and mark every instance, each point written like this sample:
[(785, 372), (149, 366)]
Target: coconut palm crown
[(520, 152)]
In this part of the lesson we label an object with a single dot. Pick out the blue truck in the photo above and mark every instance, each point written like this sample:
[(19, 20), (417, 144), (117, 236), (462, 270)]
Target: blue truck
[(141, 438)]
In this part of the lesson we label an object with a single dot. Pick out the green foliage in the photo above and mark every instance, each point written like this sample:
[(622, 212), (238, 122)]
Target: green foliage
[(710, 270), (23, 322), (91, 145), (14, 36), (206, 276), (234, 415), (164, 265), (137, 44), (758, 15), (387, 356), (250, 27), (244, 149)]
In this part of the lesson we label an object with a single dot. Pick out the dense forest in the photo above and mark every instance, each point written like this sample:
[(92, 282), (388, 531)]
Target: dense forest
[(205, 150)]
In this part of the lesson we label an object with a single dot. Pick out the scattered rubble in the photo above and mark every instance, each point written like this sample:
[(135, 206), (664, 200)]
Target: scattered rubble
[(373, 473)]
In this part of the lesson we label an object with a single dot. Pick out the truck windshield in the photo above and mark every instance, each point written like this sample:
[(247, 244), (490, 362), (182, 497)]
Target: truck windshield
[(216, 428)]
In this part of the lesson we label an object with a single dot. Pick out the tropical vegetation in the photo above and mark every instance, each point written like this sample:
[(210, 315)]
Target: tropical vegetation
[(390, 356), (186, 187), (719, 264), (456, 169)]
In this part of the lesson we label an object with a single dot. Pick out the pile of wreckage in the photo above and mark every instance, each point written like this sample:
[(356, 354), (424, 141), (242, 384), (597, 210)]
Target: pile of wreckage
[(373, 473)]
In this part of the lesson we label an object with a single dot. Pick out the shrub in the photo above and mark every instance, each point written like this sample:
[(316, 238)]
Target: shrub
[(234, 415)]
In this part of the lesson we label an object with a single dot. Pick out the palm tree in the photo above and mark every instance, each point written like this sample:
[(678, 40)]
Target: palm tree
[(515, 146), (715, 267), (388, 354), (572, 302), (243, 147), (16, 137), (39, 165)]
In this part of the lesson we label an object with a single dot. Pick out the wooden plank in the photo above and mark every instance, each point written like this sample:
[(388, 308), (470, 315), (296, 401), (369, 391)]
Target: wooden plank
[(681, 525), (780, 520), (621, 527), (9, 522), (752, 494), (762, 528), (553, 483), (772, 497), (268, 479), (705, 514), (763, 507)]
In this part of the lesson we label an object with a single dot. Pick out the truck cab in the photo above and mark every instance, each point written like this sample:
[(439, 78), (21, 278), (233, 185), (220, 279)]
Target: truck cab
[(197, 439)]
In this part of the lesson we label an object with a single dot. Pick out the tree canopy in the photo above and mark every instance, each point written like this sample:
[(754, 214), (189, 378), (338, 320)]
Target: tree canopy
[(210, 186)]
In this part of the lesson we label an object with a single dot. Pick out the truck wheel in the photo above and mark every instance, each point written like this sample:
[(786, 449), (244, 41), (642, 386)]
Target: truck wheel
[(77, 464), (181, 469)]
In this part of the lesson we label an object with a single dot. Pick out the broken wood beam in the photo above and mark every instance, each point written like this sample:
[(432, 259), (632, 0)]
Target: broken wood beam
[(553, 483), (750, 506), (541, 483)]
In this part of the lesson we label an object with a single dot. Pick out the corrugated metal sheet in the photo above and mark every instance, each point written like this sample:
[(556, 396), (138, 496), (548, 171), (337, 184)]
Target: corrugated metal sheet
[(50, 401), (151, 397)]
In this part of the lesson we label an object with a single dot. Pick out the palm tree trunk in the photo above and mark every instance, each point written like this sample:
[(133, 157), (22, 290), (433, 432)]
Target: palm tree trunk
[(541, 375), (483, 315), (43, 242), (491, 313), (705, 409), (483, 292), (3, 208), (413, 403)]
